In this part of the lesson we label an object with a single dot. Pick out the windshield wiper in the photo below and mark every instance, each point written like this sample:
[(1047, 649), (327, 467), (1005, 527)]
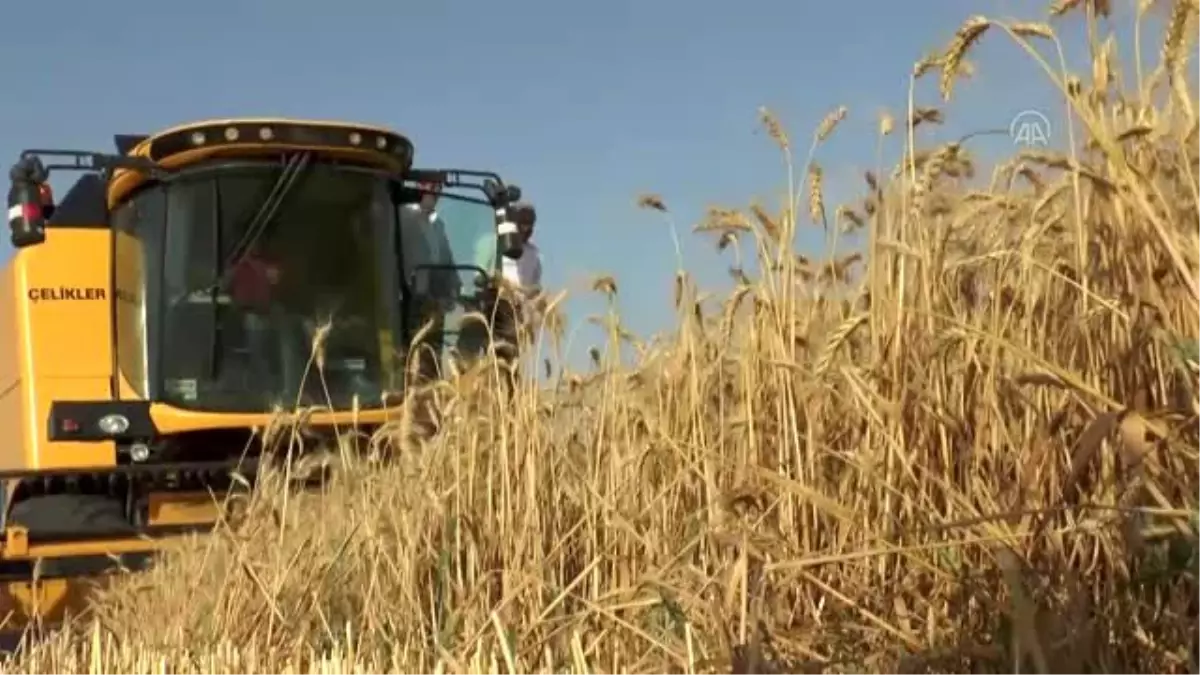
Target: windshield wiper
[(255, 226), (292, 170)]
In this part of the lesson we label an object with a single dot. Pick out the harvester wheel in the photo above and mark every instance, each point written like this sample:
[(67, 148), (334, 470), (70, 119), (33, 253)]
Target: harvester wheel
[(67, 515), (70, 514)]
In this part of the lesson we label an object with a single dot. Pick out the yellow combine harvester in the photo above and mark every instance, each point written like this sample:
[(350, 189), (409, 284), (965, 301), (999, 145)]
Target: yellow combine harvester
[(157, 315)]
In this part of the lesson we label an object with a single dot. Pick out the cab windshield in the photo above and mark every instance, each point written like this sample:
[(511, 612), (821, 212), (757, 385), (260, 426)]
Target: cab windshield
[(242, 306)]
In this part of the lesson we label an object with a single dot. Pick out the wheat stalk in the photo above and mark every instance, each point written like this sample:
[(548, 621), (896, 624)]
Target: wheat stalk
[(652, 202), (925, 115), (926, 64), (830, 123), (1177, 37), (835, 341), (774, 128), (1061, 7), (887, 123), (966, 36), (605, 284), (1032, 29), (816, 198)]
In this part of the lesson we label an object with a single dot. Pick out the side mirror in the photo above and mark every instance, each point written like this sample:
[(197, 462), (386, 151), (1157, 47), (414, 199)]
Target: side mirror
[(501, 196), (27, 210), (491, 188)]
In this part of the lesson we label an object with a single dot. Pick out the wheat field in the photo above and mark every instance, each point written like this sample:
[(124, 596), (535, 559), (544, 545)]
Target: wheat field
[(968, 446)]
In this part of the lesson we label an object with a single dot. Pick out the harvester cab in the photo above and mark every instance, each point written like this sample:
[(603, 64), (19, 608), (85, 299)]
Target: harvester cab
[(170, 304)]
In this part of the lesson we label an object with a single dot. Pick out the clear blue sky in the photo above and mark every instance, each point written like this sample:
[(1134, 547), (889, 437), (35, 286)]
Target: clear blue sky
[(585, 104)]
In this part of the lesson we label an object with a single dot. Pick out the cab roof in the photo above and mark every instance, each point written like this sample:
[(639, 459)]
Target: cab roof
[(187, 144), (316, 134)]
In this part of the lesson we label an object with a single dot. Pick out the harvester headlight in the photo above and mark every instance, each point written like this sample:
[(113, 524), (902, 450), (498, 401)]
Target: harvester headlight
[(113, 424), (231, 134), (355, 138), (266, 134), (198, 138), (139, 452), (381, 143)]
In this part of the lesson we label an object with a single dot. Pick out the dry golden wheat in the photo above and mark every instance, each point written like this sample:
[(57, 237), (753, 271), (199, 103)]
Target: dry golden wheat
[(768, 223), (1102, 72), (994, 417), (1178, 37), (1061, 7), (966, 36), (853, 220), (774, 128), (830, 122), (816, 197), (887, 123), (605, 284), (652, 202), (1032, 29), (925, 115), (926, 64)]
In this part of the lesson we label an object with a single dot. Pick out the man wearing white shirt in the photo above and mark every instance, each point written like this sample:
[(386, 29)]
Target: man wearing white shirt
[(525, 273)]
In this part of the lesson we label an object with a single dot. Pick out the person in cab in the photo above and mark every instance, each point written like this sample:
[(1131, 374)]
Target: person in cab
[(523, 275), (432, 292), (274, 336)]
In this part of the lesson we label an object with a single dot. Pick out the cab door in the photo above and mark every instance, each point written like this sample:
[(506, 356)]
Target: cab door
[(137, 236), (448, 258)]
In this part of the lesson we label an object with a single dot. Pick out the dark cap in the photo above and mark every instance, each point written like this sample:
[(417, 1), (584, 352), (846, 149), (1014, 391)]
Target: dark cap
[(523, 213)]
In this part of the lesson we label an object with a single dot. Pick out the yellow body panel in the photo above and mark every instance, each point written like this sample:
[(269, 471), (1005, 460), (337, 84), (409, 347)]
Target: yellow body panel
[(54, 310), (183, 508), (23, 603), (170, 420)]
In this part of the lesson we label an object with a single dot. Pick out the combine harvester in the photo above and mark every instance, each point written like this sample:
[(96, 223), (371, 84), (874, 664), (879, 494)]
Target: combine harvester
[(133, 381)]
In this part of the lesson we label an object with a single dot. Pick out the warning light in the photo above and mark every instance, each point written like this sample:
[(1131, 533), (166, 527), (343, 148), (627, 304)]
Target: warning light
[(27, 206), (31, 211)]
